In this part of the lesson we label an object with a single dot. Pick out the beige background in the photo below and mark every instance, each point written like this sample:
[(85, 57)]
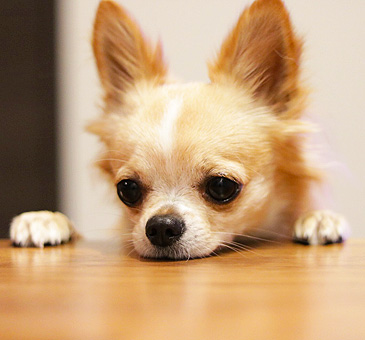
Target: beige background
[(191, 31)]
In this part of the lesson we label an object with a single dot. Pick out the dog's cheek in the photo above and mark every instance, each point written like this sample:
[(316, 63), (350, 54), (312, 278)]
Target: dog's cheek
[(246, 211), (140, 241), (132, 215), (199, 240)]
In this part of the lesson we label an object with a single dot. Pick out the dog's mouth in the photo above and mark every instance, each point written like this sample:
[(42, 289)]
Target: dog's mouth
[(174, 253), (184, 249)]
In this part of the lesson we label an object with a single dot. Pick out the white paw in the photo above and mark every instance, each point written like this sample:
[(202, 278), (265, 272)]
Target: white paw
[(37, 228), (320, 227)]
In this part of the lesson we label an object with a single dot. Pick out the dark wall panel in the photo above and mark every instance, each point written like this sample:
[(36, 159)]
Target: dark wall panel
[(27, 108)]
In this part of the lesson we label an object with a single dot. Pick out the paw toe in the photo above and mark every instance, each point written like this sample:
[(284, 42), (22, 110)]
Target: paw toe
[(320, 227), (40, 228)]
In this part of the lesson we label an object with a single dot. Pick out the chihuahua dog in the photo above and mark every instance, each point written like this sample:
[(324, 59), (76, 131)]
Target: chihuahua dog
[(195, 165)]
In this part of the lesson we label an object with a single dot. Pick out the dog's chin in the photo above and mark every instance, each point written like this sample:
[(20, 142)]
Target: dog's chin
[(174, 252)]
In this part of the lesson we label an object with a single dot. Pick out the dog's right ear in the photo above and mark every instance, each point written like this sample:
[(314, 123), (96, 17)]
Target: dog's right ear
[(122, 56)]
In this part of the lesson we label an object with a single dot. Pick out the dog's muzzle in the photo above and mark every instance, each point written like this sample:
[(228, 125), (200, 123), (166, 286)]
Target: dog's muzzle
[(164, 230)]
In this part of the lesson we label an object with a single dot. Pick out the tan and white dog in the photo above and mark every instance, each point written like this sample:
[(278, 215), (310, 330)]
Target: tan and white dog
[(195, 165)]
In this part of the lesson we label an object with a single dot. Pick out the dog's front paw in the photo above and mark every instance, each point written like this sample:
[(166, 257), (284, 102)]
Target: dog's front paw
[(320, 227), (37, 228)]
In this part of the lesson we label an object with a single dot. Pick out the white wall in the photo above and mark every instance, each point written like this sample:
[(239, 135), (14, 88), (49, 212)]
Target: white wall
[(191, 31)]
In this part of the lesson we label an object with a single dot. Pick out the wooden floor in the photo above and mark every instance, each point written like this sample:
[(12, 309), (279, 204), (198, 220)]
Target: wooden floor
[(94, 291)]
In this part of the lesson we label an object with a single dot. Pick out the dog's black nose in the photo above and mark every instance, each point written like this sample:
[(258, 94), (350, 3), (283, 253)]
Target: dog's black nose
[(164, 230)]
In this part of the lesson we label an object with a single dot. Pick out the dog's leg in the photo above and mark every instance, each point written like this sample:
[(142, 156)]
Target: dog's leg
[(320, 227), (38, 228)]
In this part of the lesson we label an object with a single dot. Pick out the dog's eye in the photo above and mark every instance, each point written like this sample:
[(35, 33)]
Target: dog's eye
[(222, 190), (129, 192)]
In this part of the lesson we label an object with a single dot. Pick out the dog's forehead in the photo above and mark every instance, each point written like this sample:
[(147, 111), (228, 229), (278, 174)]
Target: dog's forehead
[(180, 132), (175, 114)]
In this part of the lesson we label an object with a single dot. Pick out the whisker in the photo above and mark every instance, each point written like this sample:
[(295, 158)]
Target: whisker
[(215, 253), (284, 236), (245, 235), (241, 247), (130, 252), (125, 234), (208, 254), (231, 248), (237, 246), (128, 242)]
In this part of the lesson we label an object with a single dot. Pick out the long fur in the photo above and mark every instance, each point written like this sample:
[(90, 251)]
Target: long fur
[(245, 125)]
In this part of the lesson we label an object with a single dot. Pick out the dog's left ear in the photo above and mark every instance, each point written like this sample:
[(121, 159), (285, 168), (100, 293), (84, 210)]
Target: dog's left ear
[(123, 57), (262, 55)]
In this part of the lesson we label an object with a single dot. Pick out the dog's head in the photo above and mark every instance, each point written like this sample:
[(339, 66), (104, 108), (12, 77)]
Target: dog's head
[(195, 164)]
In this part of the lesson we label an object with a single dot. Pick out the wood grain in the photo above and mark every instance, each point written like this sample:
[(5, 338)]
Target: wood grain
[(96, 291)]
